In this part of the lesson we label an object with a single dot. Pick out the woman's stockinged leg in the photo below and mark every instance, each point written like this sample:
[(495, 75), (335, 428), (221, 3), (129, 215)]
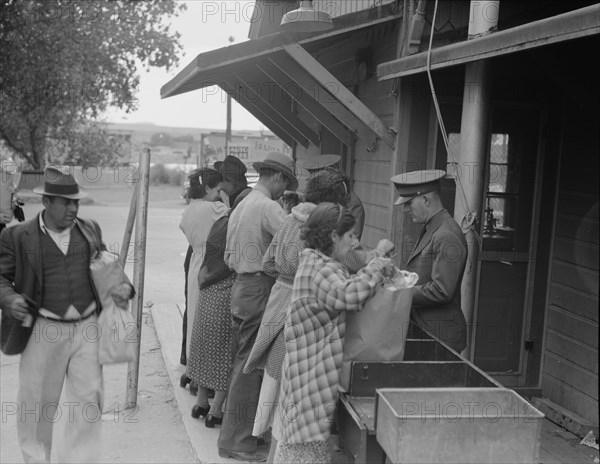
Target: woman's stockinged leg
[(216, 409)]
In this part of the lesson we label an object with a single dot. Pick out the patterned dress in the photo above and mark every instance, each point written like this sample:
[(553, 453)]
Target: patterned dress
[(196, 223), (210, 349), (314, 333)]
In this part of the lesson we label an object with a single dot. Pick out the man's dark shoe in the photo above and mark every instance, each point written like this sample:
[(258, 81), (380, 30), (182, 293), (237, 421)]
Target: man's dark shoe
[(259, 456)]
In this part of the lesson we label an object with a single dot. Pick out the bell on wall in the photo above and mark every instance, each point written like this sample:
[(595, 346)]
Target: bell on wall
[(306, 19)]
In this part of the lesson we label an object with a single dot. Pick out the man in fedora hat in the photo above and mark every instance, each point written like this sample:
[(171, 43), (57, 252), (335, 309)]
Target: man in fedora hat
[(315, 164), (45, 269), (439, 258), (251, 228)]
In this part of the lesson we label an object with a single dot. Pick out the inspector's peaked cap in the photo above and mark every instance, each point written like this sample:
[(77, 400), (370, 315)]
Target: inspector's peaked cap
[(412, 184), (315, 163)]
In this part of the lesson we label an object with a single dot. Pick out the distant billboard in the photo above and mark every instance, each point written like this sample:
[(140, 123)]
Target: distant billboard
[(249, 149)]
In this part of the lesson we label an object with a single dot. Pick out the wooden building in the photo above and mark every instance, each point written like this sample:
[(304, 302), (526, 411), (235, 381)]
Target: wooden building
[(519, 104)]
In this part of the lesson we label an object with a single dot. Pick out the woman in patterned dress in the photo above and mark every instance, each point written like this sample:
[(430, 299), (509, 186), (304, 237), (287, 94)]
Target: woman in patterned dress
[(322, 292), (210, 349), (196, 222)]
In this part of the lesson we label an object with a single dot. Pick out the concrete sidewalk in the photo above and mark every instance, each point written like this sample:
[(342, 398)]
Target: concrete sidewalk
[(168, 319), (151, 432)]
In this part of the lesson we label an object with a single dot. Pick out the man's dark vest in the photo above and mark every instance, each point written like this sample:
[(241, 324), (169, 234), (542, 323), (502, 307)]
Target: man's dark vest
[(66, 279)]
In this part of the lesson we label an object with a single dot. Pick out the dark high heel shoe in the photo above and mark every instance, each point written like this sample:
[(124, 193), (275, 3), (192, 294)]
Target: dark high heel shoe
[(198, 411), (184, 380), (194, 388), (211, 421)]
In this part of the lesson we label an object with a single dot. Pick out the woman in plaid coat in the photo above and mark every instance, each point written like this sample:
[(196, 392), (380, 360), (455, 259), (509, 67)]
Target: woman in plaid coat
[(323, 291)]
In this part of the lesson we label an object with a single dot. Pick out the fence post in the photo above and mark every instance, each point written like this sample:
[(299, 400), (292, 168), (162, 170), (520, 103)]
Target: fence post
[(139, 263)]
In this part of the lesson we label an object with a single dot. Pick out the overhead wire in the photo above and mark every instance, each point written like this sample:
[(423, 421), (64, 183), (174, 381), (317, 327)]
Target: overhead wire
[(469, 221)]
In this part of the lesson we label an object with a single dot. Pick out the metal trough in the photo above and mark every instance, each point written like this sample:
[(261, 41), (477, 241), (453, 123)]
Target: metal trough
[(452, 425)]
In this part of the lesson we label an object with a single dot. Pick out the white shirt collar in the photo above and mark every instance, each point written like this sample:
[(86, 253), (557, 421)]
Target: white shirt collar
[(48, 231)]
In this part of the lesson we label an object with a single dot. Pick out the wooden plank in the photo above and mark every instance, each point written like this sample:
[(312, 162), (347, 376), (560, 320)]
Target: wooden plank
[(254, 99), (342, 94), (583, 22), (573, 377), (578, 253), (571, 425), (374, 194), (573, 227), (368, 171), (367, 376), (382, 154), (376, 217), (312, 107), (575, 277), (573, 326), (556, 446), (582, 181), (272, 125), (260, 84), (578, 204), (560, 393), (580, 354), (306, 83), (579, 303)]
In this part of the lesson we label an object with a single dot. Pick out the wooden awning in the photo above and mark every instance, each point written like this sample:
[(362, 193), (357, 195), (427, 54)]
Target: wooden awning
[(575, 24), (269, 76)]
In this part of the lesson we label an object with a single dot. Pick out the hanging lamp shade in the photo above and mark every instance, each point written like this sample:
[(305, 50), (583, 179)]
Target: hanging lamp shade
[(306, 19)]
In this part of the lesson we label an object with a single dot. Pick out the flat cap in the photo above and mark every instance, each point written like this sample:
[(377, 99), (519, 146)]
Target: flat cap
[(412, 184), (231, 168)]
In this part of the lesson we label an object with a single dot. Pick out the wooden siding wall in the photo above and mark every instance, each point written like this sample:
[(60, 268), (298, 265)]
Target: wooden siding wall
[(372, 170), (570, 365), (369, 171)]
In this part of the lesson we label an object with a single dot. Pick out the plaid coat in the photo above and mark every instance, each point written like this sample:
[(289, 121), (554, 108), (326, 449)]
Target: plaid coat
[(314, 334)]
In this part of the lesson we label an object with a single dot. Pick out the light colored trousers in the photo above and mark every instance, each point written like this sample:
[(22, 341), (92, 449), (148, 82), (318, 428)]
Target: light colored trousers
[(61, 353)]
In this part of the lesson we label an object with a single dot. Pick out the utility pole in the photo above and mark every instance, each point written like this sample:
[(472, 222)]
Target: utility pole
[(228, 127)]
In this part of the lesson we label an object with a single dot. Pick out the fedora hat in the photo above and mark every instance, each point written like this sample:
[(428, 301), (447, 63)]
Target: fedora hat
[(412, 184), (316, 163), (59, 183), (280, 163)]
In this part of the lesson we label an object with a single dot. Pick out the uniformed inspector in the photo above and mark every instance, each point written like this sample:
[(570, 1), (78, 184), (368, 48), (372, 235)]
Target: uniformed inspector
[(439, 258)]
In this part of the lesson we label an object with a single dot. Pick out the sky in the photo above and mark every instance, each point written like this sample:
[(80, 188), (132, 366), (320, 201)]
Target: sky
[(205, 26)]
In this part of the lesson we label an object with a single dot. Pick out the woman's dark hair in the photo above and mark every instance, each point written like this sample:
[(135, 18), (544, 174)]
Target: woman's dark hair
[(327, 184), (202, 178), (326, 218), (290, 197)]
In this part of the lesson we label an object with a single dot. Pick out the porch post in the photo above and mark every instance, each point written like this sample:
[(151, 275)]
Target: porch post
[(474, 140)]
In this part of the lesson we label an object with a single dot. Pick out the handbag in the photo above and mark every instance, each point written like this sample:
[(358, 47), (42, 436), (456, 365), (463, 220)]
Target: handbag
[(378, 331), (117, 326), (14, 333)]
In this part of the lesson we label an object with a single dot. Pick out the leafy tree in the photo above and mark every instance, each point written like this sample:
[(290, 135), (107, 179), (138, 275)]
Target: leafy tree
[(95, 145), (64, 62)]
